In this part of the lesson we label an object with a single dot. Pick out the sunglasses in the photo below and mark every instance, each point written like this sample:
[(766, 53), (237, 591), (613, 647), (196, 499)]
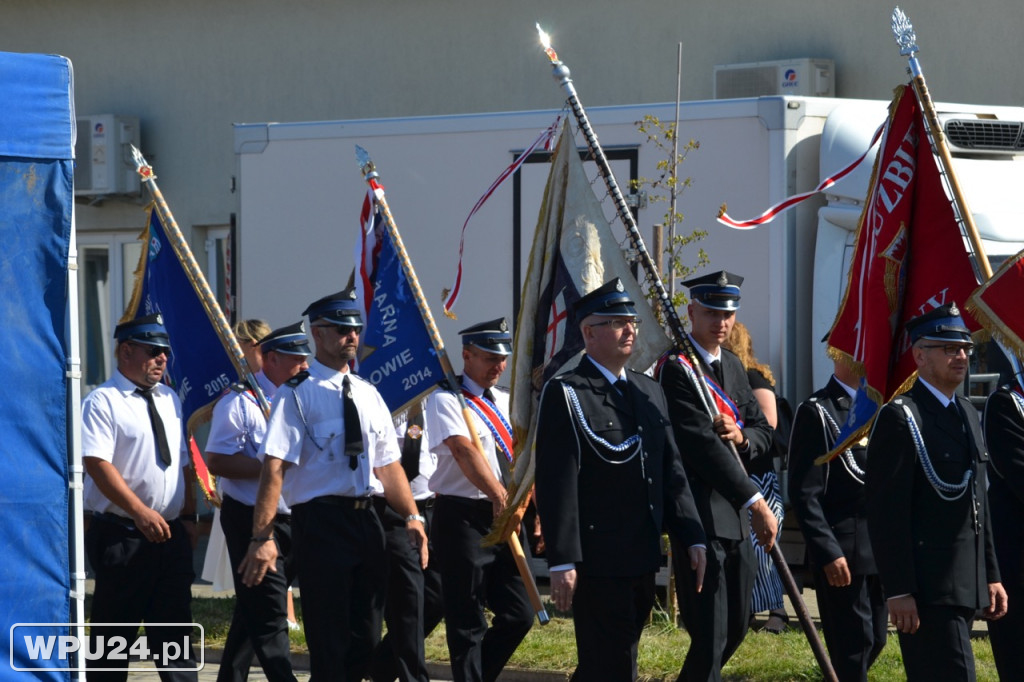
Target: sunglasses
[(341, 329), (152, 351)]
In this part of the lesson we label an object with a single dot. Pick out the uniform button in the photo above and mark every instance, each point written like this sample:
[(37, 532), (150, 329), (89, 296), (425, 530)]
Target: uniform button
[(609, 425), (645, 455), (651, 506), (640, 429), (650, 481), (590, 527)]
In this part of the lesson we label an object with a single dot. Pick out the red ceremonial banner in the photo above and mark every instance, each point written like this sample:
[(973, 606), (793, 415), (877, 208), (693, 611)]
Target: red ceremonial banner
[(909, 258), (996, 304)]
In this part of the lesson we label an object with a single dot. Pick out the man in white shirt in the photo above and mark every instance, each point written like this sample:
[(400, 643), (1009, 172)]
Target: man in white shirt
[(237, 428), (329, 433), (142, 529), (470, 487)]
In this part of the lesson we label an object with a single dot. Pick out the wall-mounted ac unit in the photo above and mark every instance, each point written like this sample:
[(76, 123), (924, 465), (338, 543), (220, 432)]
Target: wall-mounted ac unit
[(103, 160), (805, 76)]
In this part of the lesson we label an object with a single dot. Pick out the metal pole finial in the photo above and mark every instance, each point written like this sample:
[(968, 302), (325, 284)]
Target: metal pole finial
[(903, 32)]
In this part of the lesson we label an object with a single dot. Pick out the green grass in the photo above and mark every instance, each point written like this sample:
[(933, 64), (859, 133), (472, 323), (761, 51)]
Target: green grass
[(763, 657)]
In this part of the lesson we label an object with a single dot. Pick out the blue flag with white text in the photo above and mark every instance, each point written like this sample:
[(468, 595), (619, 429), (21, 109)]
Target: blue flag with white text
[(396, 354), (199, 367)]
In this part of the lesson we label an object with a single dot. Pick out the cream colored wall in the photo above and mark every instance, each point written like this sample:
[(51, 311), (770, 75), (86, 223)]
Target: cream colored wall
[(190, 68)]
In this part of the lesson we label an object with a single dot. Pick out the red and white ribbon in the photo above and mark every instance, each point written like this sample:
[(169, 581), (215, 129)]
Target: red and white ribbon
[(545, 139), (788, 203)]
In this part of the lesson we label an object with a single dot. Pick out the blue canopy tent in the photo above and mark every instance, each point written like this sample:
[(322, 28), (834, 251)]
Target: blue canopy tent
[(38, 354)]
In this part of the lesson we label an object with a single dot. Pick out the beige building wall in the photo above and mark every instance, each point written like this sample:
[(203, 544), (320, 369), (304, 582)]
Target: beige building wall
[(190, 68)]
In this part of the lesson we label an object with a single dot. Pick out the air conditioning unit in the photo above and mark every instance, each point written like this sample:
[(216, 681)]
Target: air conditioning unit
[(103, 160), (803, 76)]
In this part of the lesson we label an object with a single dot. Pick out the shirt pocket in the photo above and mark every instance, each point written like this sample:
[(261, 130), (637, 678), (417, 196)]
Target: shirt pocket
[(328, 433)]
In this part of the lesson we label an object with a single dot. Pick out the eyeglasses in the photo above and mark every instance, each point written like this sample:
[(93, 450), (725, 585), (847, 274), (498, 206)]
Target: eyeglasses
[(619, 325), (952, 349), (341, 329), (152, 351)]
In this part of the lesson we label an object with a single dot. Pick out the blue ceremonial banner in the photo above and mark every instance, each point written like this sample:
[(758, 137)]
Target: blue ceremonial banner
[(396, 354), (199, 367)]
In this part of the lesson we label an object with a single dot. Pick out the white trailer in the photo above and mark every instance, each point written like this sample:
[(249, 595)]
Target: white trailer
[(299, 193)]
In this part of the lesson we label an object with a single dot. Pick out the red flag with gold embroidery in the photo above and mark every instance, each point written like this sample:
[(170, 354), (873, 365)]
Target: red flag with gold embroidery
[(996, 304), (909, 258)]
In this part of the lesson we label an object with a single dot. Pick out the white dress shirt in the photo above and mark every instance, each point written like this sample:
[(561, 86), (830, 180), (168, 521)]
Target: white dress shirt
[(444, 419), (236, 429), (116, 428), (307, 429)]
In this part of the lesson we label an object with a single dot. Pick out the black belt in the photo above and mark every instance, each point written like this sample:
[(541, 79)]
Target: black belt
[(345, 502)]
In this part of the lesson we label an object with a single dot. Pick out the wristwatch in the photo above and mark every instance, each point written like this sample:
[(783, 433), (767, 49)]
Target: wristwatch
[(415, 517)]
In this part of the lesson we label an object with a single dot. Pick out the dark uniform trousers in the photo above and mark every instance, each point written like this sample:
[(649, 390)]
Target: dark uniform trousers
[(473, 577), (609, 613), (412, 608), (138, 580), (259, 624), (1004, 434), (828, 501), (339, 555), (717, 617)]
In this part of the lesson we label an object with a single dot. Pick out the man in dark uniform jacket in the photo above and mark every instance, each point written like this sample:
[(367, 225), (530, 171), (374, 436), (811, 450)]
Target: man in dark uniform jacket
[(1004, 434), (608, 477), (927, 506), (717, 618), (828, 501)]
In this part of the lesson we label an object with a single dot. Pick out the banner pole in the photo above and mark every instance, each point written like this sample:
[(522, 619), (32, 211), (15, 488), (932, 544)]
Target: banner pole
[(198, 280), (370, 174), (903, 32), (562, 74)]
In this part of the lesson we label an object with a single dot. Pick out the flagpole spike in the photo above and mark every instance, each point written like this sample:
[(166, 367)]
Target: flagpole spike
[(903, 32), (365, 163), (142, 166)]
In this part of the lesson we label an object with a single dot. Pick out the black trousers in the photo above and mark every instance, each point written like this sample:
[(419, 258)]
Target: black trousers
[(855, 621), (609, 615), (941, 647), (259, 623), (718, 616), (1007, 633), (138, 580), (412, 608), (340, 563), (473, 577)]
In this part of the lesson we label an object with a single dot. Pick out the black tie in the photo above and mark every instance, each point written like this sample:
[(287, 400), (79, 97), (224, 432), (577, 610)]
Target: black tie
[(955, 416), (489, 395), (353, 431), (716, 369), (622, 386), (158, 426), (411, 446)]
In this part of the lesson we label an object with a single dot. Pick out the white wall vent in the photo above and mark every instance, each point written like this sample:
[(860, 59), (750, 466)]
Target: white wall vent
[(804, 76), (103, 161)]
